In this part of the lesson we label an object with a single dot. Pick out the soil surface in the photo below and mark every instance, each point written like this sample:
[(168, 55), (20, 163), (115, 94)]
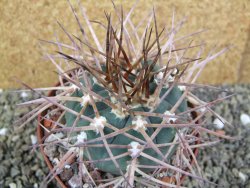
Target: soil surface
[(227, 163)]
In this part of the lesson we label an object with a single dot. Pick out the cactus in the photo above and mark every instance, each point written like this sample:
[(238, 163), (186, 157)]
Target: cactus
[(126, 109), (120, 120)]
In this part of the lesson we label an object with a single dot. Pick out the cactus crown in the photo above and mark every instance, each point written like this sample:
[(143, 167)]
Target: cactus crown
[(126, 108)]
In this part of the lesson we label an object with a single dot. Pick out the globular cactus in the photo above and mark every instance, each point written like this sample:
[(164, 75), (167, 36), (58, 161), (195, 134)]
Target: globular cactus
[(127, 108), (126, 118)]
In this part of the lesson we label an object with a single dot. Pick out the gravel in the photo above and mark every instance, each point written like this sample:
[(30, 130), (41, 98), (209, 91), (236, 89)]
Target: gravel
[(227, 163), (20, 166)]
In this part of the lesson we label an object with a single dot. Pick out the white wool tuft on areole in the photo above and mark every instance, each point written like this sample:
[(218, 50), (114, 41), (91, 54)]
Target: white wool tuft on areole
[(169, 119), (134, 149), (85, 100), (98, 123), (139, 123), (182, 88), (74, 87), (81, 138)]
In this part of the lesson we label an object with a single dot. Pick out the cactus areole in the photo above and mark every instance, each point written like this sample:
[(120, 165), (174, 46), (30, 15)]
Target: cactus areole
[(133, 90)]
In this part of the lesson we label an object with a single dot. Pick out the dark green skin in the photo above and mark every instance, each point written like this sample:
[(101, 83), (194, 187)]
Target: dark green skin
[(166, 135)]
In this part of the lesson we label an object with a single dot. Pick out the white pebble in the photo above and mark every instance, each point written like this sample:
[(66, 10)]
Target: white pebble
[(67, 166), (33, 139), (3, 131), (218, 124), (54, 137), (55, 161), (12, 185), (242, 176), (75, 182), (24, 95), (85, 185), (245, 119), (203, 109)]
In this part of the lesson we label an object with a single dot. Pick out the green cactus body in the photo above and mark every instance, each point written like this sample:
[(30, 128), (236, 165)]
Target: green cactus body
[(166, 135)]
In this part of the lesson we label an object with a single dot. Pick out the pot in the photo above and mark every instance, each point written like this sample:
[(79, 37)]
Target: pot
[(41, 134), (49, 124)]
